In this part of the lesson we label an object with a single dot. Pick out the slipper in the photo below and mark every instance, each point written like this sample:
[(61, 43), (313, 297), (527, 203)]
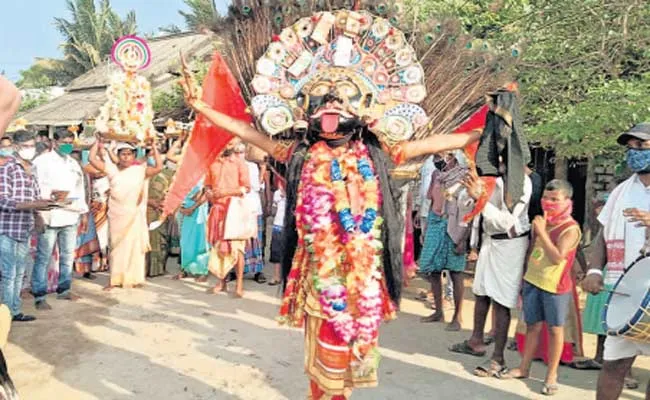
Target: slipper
[(465, 348), (274, 282), (259, 278), (489, 369), (550, 389), (510, 374), (586, 365), (488, 340), (512, 345), (631, 383)]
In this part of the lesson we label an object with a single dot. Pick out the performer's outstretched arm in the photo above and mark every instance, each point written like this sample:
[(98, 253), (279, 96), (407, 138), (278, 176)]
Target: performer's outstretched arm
[(437, 144), (241, 129), (9, 103)]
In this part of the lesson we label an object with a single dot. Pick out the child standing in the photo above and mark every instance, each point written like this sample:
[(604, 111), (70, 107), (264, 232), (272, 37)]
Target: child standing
[(279, 201), (547, 282)]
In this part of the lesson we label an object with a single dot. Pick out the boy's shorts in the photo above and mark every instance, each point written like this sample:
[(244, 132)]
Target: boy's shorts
[(543, 306), (276, 245)]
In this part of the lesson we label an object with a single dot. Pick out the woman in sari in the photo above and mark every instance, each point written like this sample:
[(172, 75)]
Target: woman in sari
[(195, 251), (87, 244), (100, 189), (127, 208)]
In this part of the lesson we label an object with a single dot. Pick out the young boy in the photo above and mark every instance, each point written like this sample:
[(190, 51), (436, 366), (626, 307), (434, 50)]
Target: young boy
[(279, 201), (547, 281)]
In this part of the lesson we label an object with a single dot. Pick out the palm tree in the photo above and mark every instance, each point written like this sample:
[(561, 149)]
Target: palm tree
[(203, 14), (90, 33)]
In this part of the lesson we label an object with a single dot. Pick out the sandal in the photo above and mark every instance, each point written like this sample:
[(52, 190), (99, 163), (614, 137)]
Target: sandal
[(490, 368), (259, 278), (586, 365), (511, 374), (465, 348), (550, 389), (488, 340), (631, 383), (274, 282)]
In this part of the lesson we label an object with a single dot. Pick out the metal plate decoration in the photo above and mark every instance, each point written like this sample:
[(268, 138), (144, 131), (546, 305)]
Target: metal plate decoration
[(131, 53), (364, 57)]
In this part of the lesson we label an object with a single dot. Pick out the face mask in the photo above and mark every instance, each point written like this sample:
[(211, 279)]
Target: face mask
[(557, 211), (27, 154), (6, 152), (85, 156), (140, 152), (151, 162), (638, 160), (66, 148)]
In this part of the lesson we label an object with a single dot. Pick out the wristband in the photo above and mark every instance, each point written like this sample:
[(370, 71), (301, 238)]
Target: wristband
[(594, 271)]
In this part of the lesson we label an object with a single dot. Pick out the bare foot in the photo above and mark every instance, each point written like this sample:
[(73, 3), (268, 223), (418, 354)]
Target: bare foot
[(453, 326), (179, 276), (239, 294), (201, 279), (435, 317), (138, 286), (108, 288)]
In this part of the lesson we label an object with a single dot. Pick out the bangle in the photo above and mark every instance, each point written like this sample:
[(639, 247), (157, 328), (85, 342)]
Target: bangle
[(594, 271)]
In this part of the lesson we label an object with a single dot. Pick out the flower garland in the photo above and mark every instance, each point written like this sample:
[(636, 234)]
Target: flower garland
[(345, 252)]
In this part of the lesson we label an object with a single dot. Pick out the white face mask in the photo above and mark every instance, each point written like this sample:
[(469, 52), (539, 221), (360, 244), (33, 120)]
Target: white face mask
[(27, 154)]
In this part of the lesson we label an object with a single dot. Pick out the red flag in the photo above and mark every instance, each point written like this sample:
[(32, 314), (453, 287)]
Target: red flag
[(222, 93), (475, 122)]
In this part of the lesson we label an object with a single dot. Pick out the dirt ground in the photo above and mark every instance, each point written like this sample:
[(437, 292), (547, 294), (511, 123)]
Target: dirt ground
[(171, 341)]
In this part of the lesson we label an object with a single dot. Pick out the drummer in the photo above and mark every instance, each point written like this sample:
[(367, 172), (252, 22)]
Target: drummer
[(624, 218)]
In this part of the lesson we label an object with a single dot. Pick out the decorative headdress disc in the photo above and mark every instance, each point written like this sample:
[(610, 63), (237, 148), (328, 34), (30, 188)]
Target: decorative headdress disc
[(131, 53), (366, 60)]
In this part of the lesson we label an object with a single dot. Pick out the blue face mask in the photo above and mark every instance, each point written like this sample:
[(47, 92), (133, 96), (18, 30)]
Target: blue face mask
[(140, 152), (6, 152), (638, 160), (151, 161)]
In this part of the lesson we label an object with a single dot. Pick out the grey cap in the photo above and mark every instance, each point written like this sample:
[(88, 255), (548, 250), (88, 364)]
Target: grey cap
[(639, 131)]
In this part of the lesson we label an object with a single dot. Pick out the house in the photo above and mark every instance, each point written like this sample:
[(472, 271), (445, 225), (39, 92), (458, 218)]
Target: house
[(87, 93)]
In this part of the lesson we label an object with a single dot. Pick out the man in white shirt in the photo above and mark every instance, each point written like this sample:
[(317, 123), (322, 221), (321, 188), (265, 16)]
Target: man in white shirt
[(626, 220), (499, 270), (59, 176)]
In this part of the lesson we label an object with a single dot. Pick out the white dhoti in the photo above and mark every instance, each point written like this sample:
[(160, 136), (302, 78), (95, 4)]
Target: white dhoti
[(499, 269), (618, 348)]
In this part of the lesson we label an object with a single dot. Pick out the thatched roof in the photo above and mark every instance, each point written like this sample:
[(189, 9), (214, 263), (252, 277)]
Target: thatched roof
[(87, 93)]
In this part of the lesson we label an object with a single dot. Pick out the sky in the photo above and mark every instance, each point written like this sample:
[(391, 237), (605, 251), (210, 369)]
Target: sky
[(27, 30)]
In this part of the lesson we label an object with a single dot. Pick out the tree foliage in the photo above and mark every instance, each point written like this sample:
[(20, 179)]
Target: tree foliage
[(45, 72), (201, 14), (90, 32), (583, 65)]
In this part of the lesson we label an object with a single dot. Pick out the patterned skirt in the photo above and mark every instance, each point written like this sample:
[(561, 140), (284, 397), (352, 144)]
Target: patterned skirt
[(439, 250)]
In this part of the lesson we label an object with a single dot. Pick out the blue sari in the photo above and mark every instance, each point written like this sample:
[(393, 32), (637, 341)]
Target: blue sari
[(194, 239)]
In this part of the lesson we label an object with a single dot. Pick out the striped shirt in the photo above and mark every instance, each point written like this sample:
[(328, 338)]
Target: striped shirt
[(16, 186)]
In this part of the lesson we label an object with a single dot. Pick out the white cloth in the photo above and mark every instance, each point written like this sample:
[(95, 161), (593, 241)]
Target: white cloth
[(280, 204), (500, 264), (422, 201), (254, 196), (618, 348), (617, 230), (57, 172)]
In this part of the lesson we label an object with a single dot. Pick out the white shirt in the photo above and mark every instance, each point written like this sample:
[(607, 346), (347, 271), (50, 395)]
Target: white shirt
[(57, 172), (256, 188), (637, 196), (423, 201), (497, 219), (280, 204)]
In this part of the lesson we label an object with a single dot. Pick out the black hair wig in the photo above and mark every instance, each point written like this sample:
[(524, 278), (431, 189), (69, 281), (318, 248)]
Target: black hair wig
[(392, 228)]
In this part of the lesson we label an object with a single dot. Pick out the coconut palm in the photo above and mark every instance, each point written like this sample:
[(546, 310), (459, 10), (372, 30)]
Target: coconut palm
[(203, 14), (90, 33)]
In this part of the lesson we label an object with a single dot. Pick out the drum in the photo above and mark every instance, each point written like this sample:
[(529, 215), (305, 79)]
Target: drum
[(627, 311)]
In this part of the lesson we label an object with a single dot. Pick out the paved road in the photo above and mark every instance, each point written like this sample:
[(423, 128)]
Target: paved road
[(171, 341)]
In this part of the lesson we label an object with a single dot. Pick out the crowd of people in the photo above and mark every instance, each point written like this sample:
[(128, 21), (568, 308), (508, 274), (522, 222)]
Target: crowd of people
[(68, 210)]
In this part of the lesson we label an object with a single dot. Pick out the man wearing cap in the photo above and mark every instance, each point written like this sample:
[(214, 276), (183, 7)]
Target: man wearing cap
[(624, 218), (60, 177)]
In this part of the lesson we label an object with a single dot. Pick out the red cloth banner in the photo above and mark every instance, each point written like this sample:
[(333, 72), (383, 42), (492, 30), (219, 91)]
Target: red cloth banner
[(222, 93)]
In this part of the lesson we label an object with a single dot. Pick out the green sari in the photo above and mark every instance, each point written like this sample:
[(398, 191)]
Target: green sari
[(158, 239)]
